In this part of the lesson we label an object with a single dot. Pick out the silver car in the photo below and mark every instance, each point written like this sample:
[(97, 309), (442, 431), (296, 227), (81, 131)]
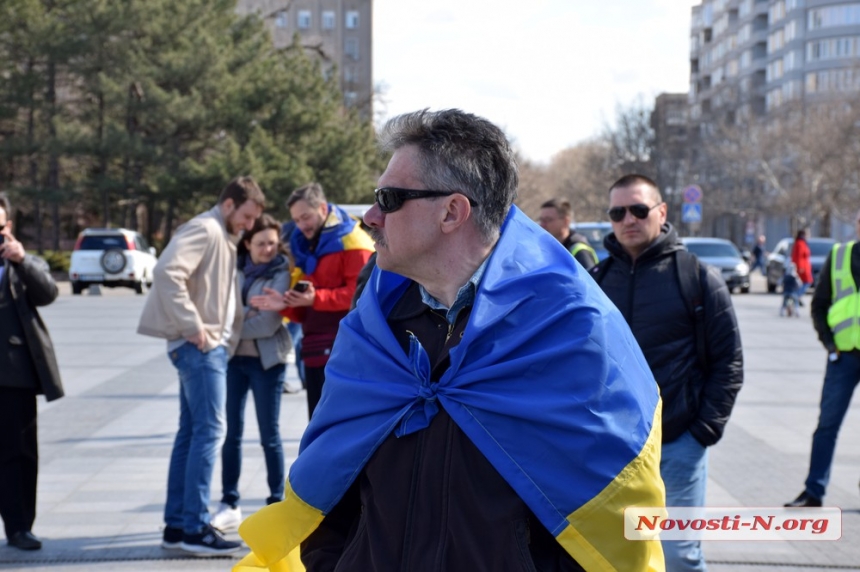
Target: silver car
[(722, 254)]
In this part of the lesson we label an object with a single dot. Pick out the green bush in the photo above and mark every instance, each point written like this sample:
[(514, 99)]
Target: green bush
[(58, 260)]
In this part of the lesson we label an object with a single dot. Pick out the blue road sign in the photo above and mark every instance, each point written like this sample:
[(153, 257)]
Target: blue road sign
[(691, 212), (692, 194)]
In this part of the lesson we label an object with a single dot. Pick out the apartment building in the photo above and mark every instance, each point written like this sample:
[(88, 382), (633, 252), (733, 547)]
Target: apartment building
[(339, 32), (750, 57)]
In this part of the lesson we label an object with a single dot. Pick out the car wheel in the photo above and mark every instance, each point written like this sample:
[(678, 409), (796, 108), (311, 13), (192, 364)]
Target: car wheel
[(77, 288), (113, 261), (771, 288), (745, 290)]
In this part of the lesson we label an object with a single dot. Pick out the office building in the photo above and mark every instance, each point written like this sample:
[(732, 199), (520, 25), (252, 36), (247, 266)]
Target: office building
[(749, 58), (339, 32)]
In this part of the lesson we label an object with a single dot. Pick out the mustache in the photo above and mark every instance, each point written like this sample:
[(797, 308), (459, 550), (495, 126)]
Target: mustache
[(376, 235)]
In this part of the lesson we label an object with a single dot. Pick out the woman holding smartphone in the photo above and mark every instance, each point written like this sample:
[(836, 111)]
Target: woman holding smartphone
[(259, 365)]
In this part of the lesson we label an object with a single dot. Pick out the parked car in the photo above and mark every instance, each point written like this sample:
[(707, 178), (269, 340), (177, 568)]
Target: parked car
[(722, 254), (111, 257), (594, 232), (819, 248)]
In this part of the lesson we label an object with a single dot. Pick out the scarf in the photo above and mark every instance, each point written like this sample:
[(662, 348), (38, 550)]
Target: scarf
[(253, 271), (547, 381)]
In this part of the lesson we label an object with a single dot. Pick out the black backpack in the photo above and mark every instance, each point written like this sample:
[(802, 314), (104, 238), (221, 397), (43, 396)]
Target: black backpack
[(689, 274)]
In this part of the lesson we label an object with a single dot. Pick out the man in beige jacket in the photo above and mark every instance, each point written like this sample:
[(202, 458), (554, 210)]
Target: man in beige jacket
[(195, 305)]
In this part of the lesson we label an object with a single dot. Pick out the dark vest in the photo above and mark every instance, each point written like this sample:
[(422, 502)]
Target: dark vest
[(15, 361)]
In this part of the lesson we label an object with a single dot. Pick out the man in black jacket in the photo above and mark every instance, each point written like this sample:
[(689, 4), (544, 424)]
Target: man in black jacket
[(834, 315), (28, 367), (643, 282)]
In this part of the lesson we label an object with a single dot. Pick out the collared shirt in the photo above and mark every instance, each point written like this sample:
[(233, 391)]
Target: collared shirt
[(465, 295)]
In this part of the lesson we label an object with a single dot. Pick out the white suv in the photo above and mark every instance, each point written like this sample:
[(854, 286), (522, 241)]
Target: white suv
[(111, 257)]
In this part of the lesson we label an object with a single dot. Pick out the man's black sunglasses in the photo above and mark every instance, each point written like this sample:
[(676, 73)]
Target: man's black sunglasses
[(640, 211), (391, 199)]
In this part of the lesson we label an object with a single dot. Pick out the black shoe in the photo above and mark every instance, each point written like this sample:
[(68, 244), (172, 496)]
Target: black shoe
[(25, 540), (208, 543), (172, 538), (804, 500)]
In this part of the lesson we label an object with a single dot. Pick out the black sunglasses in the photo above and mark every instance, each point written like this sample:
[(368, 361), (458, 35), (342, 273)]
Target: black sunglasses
[(391, 199), (640, 211)]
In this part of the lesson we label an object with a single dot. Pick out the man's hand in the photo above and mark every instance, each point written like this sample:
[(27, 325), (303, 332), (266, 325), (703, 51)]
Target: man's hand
[(272, 300), (11, 249), (198, 340), (294, 299)]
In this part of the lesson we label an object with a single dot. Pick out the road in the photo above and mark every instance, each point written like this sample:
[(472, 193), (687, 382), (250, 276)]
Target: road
[(105, 446)]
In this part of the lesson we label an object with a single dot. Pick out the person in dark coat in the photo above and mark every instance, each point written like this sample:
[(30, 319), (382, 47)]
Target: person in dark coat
[(29, 368), (642, 281)]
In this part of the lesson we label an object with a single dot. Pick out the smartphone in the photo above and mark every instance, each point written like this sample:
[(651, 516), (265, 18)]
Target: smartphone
[(301, 286)]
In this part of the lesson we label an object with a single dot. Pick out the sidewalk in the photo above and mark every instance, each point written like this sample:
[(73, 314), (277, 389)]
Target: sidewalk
[(105, 446)]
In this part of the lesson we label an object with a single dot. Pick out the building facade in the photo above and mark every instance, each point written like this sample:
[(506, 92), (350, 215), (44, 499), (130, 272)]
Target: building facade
[(748, 58), (339, 32)]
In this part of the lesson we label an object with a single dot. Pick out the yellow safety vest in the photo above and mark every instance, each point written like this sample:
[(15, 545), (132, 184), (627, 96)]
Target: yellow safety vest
[(843, 317), (582, 246)]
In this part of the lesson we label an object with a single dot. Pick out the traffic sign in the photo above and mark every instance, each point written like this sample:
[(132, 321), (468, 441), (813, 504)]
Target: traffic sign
[(691, 212), (692, 194)]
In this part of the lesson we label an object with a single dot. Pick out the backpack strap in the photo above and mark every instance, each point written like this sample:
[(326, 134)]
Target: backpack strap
[(689, 273)]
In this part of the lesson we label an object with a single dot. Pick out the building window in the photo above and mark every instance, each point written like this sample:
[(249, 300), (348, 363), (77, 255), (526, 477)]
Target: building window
[(328, 20), (843, 15), (746, 59), (776, 41), (352, 19), (304, 19), (776, 12), (745, 9), (833, 48), (792, 4), (350, 47), (281, 19), (790, 31), (350, 98)]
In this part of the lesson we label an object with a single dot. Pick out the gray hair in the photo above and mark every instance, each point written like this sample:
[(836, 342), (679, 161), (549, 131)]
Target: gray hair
[(463, 153), (311, 193)]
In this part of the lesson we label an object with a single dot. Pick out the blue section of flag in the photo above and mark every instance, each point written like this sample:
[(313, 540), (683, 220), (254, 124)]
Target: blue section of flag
[(547, 381)]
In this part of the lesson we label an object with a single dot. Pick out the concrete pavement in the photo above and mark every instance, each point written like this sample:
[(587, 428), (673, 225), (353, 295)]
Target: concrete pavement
[(105, 446)]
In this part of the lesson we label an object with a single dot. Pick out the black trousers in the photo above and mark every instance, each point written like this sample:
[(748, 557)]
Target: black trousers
[(19, 459), (314, 380)]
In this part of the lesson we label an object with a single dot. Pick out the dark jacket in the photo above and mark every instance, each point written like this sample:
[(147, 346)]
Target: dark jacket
[(649, 296), (430, 501), (822, 297), (29, 284)]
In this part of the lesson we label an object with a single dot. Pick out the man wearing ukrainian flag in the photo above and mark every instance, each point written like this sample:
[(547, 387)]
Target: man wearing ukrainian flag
[(486, 407)]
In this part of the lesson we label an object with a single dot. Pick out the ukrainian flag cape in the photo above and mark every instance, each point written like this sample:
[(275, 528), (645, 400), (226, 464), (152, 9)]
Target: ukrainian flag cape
[(547, 381)]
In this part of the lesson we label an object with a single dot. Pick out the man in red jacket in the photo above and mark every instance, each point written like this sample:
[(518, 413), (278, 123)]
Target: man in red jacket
[(330, 249)]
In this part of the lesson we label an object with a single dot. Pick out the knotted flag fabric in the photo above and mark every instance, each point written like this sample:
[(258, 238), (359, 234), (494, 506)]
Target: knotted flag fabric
[(547, 381)]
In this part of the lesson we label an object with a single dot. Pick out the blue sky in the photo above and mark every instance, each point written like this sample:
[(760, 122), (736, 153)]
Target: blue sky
[(550, 72)]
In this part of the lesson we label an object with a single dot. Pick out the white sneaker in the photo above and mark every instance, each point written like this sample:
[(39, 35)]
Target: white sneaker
[(227, 518)]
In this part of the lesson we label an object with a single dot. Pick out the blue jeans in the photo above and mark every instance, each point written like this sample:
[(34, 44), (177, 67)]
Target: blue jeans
[(684, 467), (244, 373), (295, 330), (840, 380), (202, 389)]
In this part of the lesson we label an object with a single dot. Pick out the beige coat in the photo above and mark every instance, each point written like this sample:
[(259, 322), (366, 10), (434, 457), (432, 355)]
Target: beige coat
[(191, 283)]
